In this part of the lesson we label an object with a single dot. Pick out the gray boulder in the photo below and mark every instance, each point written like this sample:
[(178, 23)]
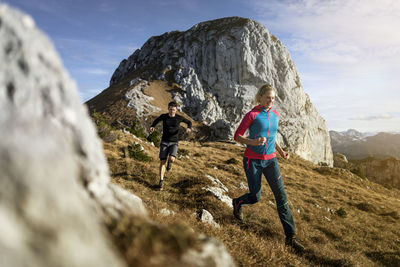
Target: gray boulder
[(219, 190), (212, 254), (219, 65), (340, 161), (137, 100), (206, 217), (54, 186)]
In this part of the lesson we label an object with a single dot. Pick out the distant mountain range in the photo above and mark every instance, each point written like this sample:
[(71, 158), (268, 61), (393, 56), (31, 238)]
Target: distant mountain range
[(356, 145)]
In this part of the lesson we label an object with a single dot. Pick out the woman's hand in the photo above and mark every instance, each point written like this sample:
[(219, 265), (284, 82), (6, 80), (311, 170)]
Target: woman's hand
[(259, 141), (281, 152), (285, 155), (252, 142)]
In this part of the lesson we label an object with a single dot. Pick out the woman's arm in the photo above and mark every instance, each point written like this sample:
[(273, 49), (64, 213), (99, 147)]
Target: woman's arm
[(283, 154), (253, 142)]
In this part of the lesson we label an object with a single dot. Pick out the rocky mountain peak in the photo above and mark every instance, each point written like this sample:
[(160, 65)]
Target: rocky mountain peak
[(218, 66), (353, 133)]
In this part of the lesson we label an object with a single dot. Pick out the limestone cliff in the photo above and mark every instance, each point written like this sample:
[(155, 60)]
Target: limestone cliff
[(218, 66), (382, 171)]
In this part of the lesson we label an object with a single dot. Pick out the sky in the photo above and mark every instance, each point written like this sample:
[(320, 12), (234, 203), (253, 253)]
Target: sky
[(347, 52)]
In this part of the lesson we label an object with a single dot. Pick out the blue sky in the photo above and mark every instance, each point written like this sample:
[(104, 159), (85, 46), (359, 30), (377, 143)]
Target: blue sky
[(347, 51)]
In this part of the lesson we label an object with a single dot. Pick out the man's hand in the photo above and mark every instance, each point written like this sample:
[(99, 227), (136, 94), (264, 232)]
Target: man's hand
[(188, 130), (151, 129), (259, 141)]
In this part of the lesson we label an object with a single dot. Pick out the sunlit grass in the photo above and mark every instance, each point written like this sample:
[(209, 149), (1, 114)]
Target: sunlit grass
[(342, 219)]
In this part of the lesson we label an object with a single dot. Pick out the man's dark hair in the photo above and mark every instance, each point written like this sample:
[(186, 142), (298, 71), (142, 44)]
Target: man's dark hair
[(172, 104)]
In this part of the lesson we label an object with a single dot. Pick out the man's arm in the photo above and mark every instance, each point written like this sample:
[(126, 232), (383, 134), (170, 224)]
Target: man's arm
[(155, 122), (188, 123)]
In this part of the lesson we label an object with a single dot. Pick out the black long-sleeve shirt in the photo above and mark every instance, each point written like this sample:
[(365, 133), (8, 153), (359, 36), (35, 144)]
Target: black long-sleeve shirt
[(171, 126)]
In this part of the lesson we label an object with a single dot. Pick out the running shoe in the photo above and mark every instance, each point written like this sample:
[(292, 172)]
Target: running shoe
[(294, 244), (169, 166), (237, 209), (160, 185)]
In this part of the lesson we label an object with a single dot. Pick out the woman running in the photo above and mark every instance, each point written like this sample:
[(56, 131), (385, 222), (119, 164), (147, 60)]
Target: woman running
[(260, 158)]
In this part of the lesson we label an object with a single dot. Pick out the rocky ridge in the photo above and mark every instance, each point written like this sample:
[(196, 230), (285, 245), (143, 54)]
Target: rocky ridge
[(356, 145), (218, 66)]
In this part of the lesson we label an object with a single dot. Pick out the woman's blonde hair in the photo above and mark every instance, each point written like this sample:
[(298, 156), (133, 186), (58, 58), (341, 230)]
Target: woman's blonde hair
[(262, 91)]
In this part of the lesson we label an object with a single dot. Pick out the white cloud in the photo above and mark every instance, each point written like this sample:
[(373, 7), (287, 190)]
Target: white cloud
[(383, 116), (96, 71), (105, 6), (348, 54), (338, 32)]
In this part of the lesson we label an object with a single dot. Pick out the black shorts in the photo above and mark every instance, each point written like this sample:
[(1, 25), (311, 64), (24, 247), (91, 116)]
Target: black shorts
[(166, 148)]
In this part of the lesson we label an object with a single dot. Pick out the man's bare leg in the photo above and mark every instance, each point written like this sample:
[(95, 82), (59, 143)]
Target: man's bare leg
[(171, 160), (162, 172)]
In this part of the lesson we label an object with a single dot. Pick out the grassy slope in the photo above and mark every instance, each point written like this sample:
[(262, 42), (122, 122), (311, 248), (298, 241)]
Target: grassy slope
[(367, 235)]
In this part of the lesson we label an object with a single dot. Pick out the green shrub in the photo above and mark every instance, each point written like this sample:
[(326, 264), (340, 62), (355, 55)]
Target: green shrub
[(155, 137), (358, 171), (109, 136), (137, 130), (104, 130), (135, 151), (98, 118), (183, 152), (232, 161), (365, 206), (341, 212)]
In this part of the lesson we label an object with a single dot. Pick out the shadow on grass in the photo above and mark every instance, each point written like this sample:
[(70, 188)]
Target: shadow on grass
[(185, 185), (189, 193), (329, 234), (321, 260), (263, 230), (137, 178), (385, 258)]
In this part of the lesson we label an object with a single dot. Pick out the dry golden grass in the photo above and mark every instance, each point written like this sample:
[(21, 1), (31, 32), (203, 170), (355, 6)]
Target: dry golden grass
[(342, 220), (160, 91)]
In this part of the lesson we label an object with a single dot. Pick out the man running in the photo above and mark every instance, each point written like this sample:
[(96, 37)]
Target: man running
[(169, 141)]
